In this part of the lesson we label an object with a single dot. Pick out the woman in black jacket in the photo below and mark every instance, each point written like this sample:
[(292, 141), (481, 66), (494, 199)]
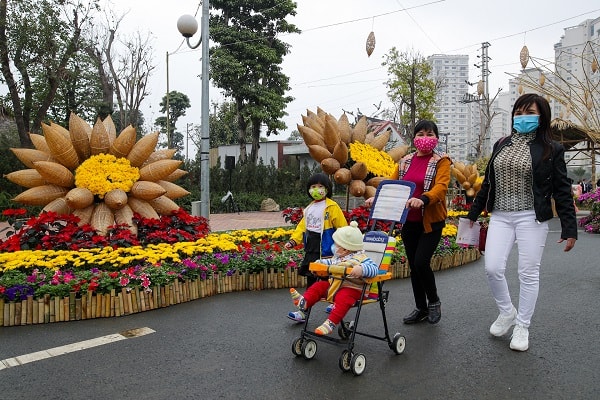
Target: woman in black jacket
[(525, 172)]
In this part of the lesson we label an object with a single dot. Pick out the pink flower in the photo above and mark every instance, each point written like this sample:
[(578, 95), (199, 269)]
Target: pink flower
[(124, 281)]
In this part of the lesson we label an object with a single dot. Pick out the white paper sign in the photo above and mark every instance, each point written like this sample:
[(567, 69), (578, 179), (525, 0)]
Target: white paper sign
[(468, 235)]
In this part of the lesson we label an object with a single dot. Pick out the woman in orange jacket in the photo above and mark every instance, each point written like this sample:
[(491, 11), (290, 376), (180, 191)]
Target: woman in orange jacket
[(429, 170)]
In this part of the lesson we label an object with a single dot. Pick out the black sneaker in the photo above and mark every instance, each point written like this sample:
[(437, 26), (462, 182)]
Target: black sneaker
[(416, 316), (435, 312)]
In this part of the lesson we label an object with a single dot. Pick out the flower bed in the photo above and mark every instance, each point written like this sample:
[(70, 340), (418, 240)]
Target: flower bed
[(51, 272)]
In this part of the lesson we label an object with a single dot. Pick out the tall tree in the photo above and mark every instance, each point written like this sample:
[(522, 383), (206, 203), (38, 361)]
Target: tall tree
[(410, 88), (178, 104), (246, 63), (223, 125), (39, 52)]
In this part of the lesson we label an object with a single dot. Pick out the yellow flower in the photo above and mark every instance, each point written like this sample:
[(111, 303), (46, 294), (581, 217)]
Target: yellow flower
[(379, 163), (104, 172)]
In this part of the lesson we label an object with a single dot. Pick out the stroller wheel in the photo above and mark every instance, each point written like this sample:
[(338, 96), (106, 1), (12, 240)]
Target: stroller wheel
[(344, 330), (309, 349), (398, 343), (344, 361), (358, 364), (297, 346)]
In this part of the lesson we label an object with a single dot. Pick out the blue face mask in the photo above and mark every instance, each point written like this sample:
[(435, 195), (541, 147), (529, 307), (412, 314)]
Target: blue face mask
[(526, 123)]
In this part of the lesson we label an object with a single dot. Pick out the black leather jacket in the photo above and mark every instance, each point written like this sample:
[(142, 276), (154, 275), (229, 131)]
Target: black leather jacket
[(549, 181)]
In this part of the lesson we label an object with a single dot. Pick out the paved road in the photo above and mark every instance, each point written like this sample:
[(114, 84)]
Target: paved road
[(238, 346)]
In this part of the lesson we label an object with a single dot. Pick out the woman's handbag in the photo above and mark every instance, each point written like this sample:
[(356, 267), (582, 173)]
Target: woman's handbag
[(482, 236)]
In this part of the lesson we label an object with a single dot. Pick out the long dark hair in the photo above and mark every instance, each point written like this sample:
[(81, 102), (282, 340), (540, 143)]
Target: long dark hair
[(544, 132)]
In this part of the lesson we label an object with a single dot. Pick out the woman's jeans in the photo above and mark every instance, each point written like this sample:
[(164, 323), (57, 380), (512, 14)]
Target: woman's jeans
[(419, 247), (505, 227)]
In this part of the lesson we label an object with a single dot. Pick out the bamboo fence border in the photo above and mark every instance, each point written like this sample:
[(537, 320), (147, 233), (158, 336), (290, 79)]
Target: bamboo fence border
[(121, 303)]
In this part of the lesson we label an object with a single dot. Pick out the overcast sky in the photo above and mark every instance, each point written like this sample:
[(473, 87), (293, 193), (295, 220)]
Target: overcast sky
[(328, 65)]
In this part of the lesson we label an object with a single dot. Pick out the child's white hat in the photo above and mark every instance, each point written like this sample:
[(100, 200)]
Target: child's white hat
[(349, 237)]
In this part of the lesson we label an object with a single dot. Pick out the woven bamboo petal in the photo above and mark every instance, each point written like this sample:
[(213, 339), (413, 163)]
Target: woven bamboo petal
[(110, 128), (370, 45), (61, 147), (80, 132), (173, 191), (29, 156), (357, 188), (58, 206), (116, 199), (313, 121), (99, 140), (359, 172), (331, 134), (39, 142), (321, 113), (340, 152), (55, 173), (163, 154), (84, 214), (158, 170), (143, 208), (40, 195), (102, 218), (61, 129), (381, 140), (79, 198), (310, 136), (175, 175), (398, 152), (318, 153), (125, 216), (359, 132), (26, 177), (369, 192), (163, 205), (123, 144), (345, 129), (146, 190), (142, 149)]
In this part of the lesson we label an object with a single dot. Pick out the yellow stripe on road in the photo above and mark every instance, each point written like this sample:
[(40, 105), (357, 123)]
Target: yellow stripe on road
[(70, 348)]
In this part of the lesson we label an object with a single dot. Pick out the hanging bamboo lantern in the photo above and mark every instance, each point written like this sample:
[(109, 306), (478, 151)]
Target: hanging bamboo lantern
[(524, 56), (520, 89), (370, 43), (480, 88), (595, 65), (542, 79)]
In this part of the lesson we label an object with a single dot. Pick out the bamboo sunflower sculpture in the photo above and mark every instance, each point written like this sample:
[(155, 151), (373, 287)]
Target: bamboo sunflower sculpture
[(353, 155), (98, 176)]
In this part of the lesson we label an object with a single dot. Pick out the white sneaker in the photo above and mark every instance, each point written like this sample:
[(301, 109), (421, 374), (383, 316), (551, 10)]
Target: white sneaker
[(503, 323), (520, 338)]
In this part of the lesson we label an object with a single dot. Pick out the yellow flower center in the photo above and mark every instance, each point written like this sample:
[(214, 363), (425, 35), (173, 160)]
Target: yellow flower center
[(104, 172), (379, 163)]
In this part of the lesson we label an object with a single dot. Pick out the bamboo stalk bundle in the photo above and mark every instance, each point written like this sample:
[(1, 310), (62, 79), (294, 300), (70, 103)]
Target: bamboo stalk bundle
[(142, 149), (123, 144), (26, 177), (80, 132), (55, 173), (60, 145), (41, 195)]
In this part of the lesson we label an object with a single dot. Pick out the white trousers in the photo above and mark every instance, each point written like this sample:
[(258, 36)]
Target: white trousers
[(530, 235)]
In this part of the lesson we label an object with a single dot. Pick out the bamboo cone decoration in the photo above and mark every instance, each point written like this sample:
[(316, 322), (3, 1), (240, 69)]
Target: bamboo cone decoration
[(370, 44), (524, 57)]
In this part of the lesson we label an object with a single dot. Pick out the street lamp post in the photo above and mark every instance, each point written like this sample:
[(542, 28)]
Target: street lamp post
[(187, 26)]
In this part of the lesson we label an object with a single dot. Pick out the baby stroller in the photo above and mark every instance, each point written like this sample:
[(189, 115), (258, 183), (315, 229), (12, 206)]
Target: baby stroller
[(388, 206)]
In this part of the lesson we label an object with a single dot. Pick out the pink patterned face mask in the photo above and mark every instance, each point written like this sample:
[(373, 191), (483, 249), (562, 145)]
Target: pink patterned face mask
[(425, 143)]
